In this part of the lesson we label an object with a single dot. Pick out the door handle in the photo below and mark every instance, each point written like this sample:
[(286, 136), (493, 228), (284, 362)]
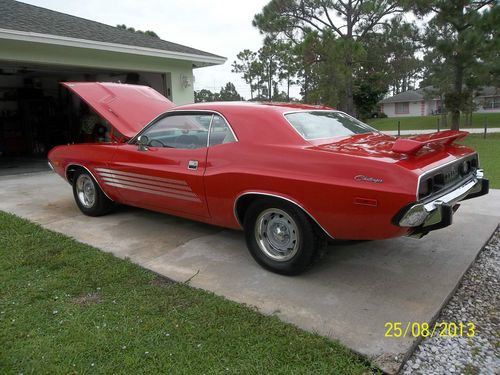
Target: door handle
[(193, 165)]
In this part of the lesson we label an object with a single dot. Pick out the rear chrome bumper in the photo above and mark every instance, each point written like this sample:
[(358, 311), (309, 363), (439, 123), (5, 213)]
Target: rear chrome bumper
[(421, 218)]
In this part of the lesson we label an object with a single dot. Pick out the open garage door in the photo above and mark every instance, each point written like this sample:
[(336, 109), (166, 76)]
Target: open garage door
[(37, 113)]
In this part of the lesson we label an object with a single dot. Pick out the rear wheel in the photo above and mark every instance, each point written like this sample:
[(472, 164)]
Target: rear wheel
[(280, 237), (89, 197)]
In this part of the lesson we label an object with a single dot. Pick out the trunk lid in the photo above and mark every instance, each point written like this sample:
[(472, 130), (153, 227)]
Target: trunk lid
[(128, 108), (379, 145)]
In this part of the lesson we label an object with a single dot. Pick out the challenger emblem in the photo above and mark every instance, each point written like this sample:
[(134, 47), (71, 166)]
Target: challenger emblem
[(363, 178)]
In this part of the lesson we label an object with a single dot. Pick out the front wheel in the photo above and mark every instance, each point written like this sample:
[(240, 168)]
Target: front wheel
[(280, 237), (89, 197)]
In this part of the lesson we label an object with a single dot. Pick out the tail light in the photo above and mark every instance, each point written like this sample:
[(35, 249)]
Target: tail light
[(425, 187), (465, 168)]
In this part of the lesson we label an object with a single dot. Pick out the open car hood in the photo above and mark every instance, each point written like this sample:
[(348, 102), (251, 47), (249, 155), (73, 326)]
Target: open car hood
[(128, 108)]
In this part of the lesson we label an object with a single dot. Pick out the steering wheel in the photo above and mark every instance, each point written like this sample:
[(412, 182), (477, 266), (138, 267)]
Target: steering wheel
[(155, 142)]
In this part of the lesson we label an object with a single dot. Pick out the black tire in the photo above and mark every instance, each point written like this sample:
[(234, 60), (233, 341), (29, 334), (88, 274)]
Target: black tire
[(257, 234), (99, 205)]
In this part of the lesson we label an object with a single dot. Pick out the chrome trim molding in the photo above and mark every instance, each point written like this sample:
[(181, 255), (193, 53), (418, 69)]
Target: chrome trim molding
[(88, 170), (209, 130), (235, 213)]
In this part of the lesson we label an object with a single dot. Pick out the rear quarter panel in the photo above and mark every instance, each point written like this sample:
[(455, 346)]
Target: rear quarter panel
[(322, 183)]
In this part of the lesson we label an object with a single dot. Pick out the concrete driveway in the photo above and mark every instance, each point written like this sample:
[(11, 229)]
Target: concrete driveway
[(349, 296)]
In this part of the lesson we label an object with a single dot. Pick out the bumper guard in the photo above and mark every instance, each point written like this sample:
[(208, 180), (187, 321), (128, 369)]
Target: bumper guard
[(424, 217)]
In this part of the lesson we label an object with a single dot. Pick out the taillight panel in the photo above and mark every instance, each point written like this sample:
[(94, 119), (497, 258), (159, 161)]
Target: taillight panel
[(439, 179)]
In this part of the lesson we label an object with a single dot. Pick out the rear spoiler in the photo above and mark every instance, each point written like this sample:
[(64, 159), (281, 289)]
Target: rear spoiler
[(414, 144)]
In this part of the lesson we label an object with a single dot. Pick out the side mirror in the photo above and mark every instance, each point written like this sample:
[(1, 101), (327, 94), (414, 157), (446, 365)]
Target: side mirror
[(142, 143)]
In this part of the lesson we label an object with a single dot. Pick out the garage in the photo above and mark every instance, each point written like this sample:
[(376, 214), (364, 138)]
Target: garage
[(37, 113), (40, 48)]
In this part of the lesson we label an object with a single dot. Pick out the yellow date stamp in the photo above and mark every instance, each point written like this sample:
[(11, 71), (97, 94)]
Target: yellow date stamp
[(423, 329)]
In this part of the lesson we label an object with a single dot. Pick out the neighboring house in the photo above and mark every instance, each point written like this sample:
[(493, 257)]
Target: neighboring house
[(422, 103), (488, 100), (40, 48)]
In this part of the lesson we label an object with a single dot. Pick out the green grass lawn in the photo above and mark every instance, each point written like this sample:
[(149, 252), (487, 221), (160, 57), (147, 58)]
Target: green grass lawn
[(489, 155), (67, 308), (430, 122)]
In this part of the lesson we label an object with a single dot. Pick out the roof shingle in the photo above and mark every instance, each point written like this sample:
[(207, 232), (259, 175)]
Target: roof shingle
[(429, 92), (19, 16), (406, 96)]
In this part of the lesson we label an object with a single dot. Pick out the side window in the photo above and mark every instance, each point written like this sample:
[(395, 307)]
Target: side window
[(180, 131), (220, 132)]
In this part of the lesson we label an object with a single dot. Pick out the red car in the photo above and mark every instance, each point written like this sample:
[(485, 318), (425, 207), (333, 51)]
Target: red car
[(292, 176)]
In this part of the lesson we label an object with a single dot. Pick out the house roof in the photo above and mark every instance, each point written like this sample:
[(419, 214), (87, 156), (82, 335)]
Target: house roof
[(406, 96), (489, 91), (23, 17), (419, 94)]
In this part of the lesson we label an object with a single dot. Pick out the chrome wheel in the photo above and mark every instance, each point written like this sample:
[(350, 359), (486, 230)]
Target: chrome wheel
[(277, 234), (85, 190)]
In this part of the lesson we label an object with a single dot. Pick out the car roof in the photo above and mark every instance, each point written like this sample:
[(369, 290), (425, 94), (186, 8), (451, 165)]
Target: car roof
[(271, 106), (256, 122)]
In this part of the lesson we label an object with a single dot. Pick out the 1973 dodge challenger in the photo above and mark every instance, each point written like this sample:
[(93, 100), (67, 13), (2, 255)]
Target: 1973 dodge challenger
[(292, 176)]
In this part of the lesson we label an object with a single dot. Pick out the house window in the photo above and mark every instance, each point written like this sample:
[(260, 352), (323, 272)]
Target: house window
[(402, 108), (491, 102)]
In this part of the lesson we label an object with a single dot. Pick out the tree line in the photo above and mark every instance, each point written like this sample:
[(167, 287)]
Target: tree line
[(349, 54), (227, 93), (133, 30)]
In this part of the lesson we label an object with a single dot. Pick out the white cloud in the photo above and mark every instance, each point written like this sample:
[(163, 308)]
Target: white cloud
[(223, 27)]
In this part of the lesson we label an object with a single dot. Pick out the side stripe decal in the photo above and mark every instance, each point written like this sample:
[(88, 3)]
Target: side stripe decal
[(140, 180), (143, 176), (149, 187), (148, 184)]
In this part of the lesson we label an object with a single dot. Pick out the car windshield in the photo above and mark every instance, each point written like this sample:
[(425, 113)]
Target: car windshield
[(326, 124)]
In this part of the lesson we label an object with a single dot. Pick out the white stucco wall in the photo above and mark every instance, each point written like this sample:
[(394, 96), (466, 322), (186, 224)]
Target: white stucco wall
[(415, 109), (479, 102), (12, 51), (430, 106)]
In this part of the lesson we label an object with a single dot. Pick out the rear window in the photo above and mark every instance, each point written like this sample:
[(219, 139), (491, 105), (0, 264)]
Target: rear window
[(326, 124)]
